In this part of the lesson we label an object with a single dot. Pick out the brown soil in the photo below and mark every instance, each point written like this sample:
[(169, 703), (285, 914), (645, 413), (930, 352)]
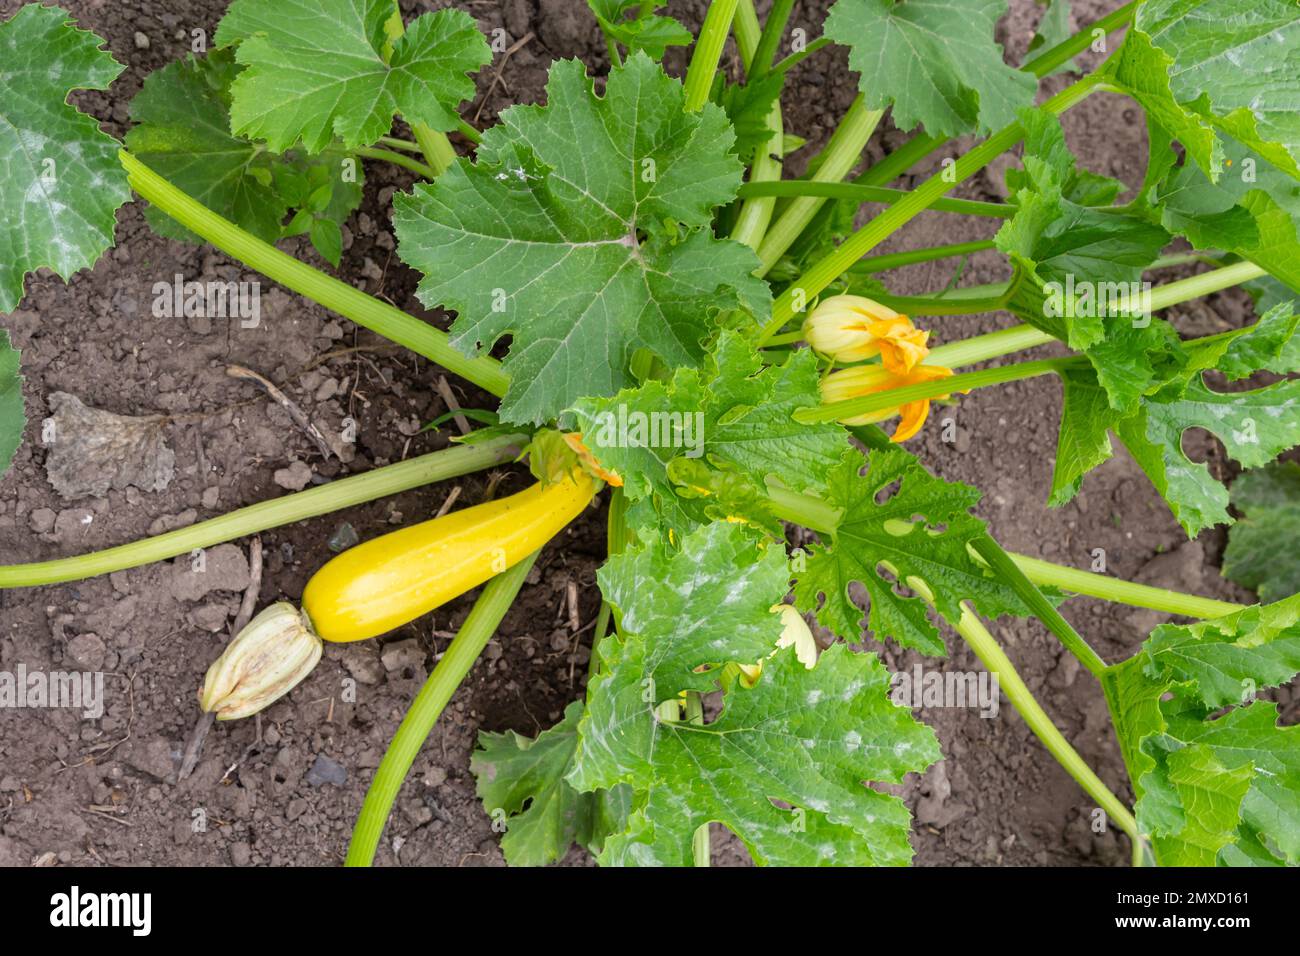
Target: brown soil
[(105, 791)]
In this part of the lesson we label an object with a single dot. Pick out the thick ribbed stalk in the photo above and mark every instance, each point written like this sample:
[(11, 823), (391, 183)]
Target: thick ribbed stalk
[(437, 148), (708, 52), (756, 214), (333, 294), (491, 606), (841, 155), (1193, 287), (344, 493)]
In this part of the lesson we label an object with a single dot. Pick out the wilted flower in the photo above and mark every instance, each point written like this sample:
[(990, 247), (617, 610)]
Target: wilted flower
[(870, 379), (575, 443), (265, 661), (851, 328), (794, 630)]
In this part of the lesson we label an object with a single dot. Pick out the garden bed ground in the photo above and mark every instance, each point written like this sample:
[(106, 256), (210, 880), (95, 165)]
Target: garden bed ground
[(86, 792)]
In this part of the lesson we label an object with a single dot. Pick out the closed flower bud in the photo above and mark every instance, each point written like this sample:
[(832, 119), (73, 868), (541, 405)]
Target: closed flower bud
[(852, 328), (265, 661)]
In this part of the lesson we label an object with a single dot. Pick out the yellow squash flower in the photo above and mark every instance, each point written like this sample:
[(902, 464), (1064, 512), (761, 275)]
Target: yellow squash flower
[(869, 380), (851, 328)]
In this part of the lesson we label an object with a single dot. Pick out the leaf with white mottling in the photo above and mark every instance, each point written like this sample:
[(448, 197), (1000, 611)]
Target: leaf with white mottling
[(60, 181)]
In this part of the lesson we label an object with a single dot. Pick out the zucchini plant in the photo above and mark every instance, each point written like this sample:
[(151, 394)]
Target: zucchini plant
[(708, 342)]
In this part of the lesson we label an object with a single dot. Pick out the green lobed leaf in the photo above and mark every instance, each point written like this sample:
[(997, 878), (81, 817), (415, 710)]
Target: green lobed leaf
[(900, 519), (749, 107), (12, 417), (567, 248), (935, 61), (644, 30), (316, 70), (1202, 68), (1261, 553), (523, 777), (183, 133), (60, 181), (1254, 426), (808, 738), (1053, 28), (1253, 211), (1081, 266), (1213, 789), (1083, 441), (734, 415), (706, 605)]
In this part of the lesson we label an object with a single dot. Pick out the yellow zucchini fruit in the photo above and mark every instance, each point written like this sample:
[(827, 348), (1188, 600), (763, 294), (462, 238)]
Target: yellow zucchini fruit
[(391, 580)]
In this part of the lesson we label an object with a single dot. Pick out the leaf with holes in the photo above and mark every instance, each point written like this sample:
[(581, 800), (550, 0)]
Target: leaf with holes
[(1213, 788), (581, 232), (806, 738), (916, 528), (1254, 426)]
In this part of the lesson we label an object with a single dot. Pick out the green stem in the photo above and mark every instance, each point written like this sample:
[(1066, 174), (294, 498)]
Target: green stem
[(981, 348), (897, 260), (397, 159), (437, 148), (491, 606), (969, 300), (795, 58), (1002, 565), (469, 132), (972, 629), (708, 53), (1184, 290), (393, 142), (365, 310), (899, 161), (1047, 574), (344, 493), (881, 401), (841, 155), (756, 214), (871, 194), (773, 31), (895, 217)]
